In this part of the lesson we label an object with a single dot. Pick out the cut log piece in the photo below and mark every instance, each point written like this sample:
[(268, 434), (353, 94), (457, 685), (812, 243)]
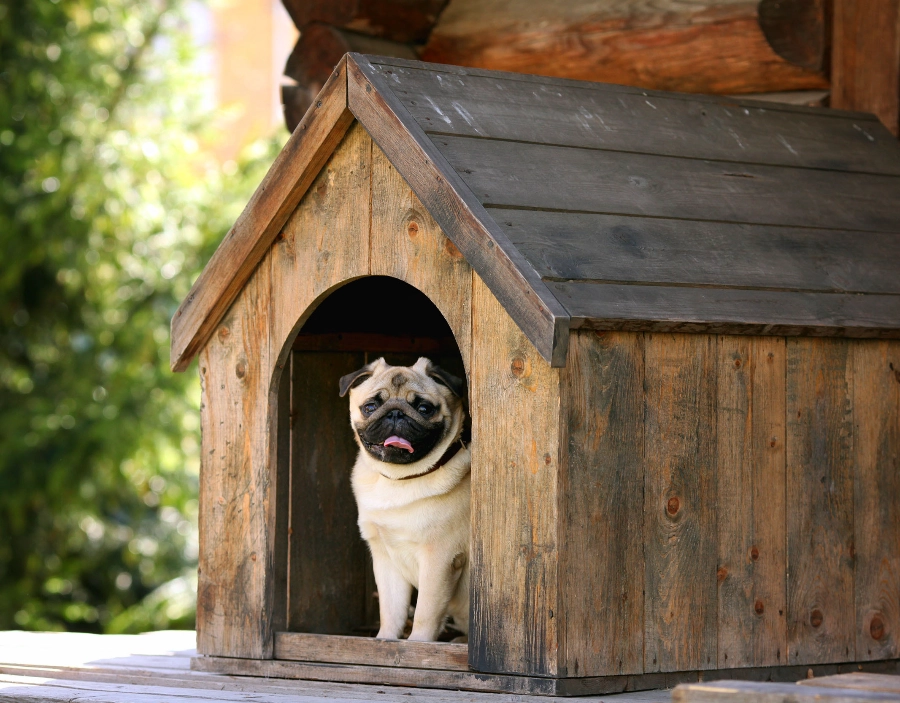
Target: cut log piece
[(398, 20), (695, 46), (797, 30)]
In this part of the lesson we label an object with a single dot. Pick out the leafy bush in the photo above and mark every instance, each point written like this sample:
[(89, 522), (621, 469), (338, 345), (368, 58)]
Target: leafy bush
[(109, 205)]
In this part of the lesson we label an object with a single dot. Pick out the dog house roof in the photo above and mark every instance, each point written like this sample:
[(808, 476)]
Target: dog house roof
[(590, 205)]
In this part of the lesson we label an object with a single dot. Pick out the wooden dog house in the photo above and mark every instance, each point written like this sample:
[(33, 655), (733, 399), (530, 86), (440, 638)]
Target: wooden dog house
[(675, 315)]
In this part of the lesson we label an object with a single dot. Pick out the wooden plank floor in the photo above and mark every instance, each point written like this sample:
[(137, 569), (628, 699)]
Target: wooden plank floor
[(155, 668)]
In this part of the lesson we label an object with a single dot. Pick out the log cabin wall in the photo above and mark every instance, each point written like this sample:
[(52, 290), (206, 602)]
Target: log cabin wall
[(359, 218), (730, 501)]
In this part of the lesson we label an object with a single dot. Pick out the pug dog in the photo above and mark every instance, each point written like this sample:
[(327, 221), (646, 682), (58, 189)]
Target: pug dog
[(411, 484)]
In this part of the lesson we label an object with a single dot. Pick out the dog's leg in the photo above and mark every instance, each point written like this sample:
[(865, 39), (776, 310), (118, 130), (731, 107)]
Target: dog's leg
[(394, 593), (438, 576)]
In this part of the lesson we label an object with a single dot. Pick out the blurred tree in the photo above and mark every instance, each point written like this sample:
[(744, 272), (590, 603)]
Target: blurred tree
[(109, 205)]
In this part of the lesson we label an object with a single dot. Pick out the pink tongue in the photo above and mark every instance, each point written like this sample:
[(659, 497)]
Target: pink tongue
[(396, 441)]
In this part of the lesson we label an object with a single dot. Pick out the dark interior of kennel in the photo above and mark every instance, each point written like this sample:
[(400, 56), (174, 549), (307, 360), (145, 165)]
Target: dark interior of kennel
[(330, 587)]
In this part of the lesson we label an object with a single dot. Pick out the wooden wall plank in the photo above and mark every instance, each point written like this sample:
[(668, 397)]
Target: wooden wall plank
[(537, 176), (235, 588), (728, 311), (865, 58), (516, 620), (680, 551), (324, 241), (751, 518), (610, 248), (407, 243), (601, 116), (327, 554), (602, 568), (819, 499), (876, 493)]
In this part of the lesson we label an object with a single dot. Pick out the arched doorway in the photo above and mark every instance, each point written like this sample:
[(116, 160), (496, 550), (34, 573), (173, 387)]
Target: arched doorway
[(330, 587)]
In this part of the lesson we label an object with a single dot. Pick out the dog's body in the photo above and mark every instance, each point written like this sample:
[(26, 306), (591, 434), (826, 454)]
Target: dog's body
[(411, 483)]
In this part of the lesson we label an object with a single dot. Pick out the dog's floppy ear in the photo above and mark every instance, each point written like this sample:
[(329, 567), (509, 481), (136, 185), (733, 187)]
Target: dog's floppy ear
[(346, 382), (456, 385)]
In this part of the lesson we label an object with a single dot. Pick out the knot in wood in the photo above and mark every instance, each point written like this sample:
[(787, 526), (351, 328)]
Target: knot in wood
[(876, 627), (754, 553), (240, 369), (451, 250), (722, 573), (759, 607), (737, 363), (517, 367), (412, 229), (673, 505), (223, 334), (816, 618)]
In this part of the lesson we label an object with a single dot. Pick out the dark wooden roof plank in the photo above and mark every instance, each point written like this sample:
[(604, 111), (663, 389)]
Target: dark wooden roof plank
[(461, 216), (504, 174), (293, 171), (729, 311), (615, 248)]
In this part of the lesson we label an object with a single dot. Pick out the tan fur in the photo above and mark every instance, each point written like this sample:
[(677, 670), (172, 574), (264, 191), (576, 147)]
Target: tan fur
[(417, 529)]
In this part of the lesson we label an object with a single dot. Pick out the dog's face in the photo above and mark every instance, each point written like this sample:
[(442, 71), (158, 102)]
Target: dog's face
[(401, 413)]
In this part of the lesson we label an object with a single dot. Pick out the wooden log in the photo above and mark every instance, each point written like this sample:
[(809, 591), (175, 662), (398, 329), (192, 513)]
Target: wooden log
[(865, 63), (700, 47), (819, 493), (318, 49), (680, 505), (751, 518), (798, 31), (405, 21), (602, 572)]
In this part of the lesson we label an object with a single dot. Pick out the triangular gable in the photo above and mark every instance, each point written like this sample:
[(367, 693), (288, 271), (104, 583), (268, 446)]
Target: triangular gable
[(357, 91)]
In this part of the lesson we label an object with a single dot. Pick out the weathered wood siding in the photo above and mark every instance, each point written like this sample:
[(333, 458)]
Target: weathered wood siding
[(339, 232), (766, 474)]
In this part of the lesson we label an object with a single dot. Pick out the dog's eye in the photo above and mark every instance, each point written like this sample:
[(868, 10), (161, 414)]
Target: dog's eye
[(425, 409), (369, 408)]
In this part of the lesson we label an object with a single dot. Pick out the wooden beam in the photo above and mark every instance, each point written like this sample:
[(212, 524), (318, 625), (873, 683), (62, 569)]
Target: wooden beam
[(405, 21), (244, 246), (865, 67), (705, 47)]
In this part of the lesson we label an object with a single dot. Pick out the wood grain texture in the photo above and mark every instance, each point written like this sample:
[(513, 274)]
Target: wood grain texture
[(537, 176), (406, 21), (819, 497), (757, 692), (612, 117), (680, 505), (516, 622), (602, 573), (566, 246), (325, 241), (862, 681), (368, 650), (876, 494), (865, 59), (699, 47), (327, 555), (459, 214), (728, 311), (751, 520), (235, 589), (407, 243), (240, 252)]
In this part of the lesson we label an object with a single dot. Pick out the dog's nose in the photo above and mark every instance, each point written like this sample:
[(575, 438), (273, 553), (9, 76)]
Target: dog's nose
[(396, 415)]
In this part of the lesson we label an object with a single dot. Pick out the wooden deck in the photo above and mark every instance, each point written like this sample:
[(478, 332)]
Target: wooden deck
[(156, 668)]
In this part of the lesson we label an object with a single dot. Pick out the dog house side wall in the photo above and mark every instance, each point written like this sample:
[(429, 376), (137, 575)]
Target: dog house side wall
[(359, 218), (729, 502)]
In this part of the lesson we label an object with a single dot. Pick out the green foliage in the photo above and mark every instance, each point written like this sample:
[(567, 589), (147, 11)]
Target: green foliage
[(109, 206)]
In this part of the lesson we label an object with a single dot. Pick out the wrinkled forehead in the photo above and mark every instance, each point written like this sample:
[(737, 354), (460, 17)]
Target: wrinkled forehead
[(399, 381)]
